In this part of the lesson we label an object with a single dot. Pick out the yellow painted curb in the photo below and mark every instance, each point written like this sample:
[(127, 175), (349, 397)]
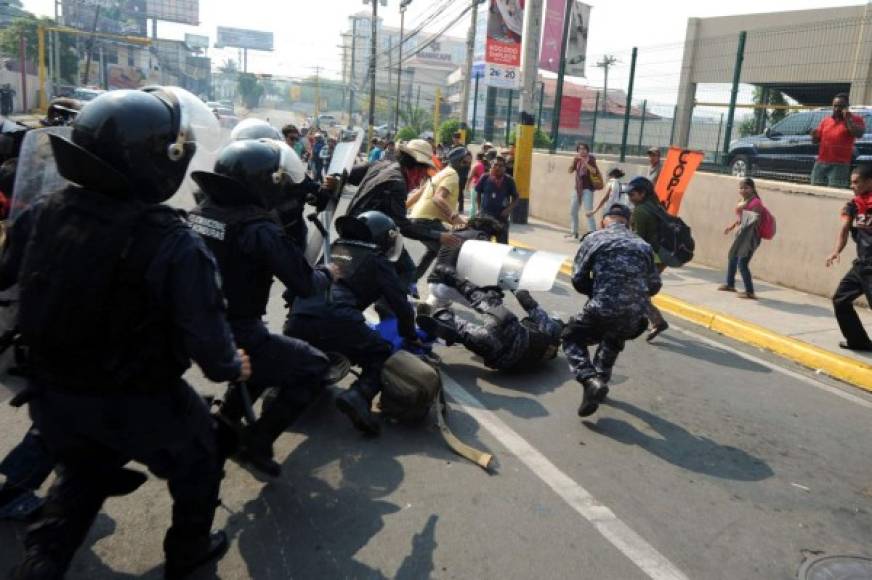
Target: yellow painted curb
[(835, 365)]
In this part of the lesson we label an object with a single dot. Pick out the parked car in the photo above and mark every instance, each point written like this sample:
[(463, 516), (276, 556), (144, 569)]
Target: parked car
[(86, 94), (787, 146), (326, 121)]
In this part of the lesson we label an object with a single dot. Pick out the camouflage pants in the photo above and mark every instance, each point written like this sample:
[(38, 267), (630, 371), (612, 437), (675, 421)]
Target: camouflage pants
[(610, 334)]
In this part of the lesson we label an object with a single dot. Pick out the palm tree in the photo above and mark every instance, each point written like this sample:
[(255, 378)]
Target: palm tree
[(417, 119)]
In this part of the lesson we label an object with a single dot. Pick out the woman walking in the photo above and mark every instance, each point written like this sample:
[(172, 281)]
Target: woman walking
[(587, 180), (614, 193), (749, 215)]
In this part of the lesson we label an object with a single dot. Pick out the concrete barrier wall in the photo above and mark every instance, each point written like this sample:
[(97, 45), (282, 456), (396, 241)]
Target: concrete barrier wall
[(807, 219)]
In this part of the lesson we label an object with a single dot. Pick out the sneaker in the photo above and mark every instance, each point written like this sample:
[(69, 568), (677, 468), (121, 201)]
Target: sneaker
[(859, 348), (655, 332), (725, 288), (357, 408), (182, 567), (594, 393), (747, 295)]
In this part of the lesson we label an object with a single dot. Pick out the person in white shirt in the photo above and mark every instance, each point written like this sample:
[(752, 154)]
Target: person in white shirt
[(614, 192)]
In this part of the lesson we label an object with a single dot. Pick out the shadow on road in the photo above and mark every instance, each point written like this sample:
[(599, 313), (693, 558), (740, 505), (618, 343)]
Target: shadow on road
[(701, 351), (419, 564), (532, 383), (682, 448)]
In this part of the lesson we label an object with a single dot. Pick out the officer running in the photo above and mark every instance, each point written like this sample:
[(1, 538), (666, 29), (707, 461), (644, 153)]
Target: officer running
[(616, 269), (236, 222), (117, 294), (364, 257)]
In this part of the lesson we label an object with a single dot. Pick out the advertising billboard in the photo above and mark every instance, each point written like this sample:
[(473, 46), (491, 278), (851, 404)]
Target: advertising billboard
[(124, 17), (196, 41), (505, 27), (243, 38), (552, 37), (181, 11), (570, 112)]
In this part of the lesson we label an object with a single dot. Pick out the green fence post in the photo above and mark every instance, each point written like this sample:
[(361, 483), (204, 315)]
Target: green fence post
[(629, 105), (734, 95)]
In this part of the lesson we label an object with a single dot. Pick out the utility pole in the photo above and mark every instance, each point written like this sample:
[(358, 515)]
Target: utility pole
[(317, 92), (373, 64), (606, 63), (351, 81), (403, 5), (437, 113), (467, 71), (525, 135)]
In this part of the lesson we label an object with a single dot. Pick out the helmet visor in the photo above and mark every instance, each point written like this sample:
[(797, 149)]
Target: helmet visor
[(397, 250), (290, 164), (252, 128)]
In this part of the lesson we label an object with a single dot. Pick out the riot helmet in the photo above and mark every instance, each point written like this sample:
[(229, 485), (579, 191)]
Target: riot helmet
[(258, 172), (373, 227), (255, 129), (140, 142)]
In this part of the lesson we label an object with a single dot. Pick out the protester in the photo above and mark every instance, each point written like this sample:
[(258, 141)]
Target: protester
[(584, 167), (292, 138), (614, 192), (654, 165), (509, 155), (646, 223), (463, 175), (375, 152), (856, 223), (616, 270), (7, 94), (749, 215), (835, 136), (496, 197), (390, 152), (437, 206), (316, 163), (326, 154)]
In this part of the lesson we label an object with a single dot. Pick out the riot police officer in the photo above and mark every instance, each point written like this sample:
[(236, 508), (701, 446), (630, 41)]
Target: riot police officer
[(236, 221), (364, 256), (616, 269), (503, 341), (117, 294)]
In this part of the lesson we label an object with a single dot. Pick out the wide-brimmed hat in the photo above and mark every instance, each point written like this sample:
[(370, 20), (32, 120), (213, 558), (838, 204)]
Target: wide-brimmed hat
[(419, 150)]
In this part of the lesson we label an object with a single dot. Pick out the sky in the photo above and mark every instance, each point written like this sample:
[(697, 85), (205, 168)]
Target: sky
[(307, 32)]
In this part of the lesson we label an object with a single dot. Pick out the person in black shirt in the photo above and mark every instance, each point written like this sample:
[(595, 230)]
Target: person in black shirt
[(856, 223), (497, 196)]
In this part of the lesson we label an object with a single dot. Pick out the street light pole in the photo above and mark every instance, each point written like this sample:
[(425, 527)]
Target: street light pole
[(373, 66), (403, 5), (352, 79)]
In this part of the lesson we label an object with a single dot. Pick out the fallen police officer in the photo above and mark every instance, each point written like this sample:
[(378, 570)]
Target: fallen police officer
[(502, 340), (616, 269)]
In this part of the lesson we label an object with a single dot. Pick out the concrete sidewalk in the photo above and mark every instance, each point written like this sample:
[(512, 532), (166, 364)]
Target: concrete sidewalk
[(797, 318)]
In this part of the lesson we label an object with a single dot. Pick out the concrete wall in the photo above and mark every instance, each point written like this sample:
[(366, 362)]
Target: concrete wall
[(807, 218)]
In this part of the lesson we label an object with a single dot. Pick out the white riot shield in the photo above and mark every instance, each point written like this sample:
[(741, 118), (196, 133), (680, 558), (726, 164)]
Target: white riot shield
[(37, 175), (489, 264), (344, 157)]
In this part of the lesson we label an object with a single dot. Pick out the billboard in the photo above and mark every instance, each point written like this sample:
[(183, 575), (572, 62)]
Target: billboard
[(242, 38), (552, 37), (196, 41), (125, 17), (505, 27), (570, 112), (181, 11)]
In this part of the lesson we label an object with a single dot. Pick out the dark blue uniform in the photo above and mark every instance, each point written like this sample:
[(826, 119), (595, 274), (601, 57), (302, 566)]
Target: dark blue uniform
[(94, 427)]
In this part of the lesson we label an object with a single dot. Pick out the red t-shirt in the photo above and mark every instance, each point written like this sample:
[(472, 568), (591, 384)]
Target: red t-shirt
[(837, 143), (477, 171)]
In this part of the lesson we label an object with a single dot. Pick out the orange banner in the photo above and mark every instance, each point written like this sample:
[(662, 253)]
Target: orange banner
[(679, 169)]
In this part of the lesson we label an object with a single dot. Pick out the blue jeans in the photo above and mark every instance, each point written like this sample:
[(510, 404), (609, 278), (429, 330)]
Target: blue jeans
[(740, 264)]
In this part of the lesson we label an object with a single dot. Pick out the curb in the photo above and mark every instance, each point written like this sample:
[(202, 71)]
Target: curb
[(846, 369)]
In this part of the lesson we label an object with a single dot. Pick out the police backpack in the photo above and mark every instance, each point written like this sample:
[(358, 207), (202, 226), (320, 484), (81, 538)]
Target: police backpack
[(675, 240)]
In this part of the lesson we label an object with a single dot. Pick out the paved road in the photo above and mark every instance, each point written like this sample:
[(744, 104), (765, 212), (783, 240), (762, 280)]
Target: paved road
[(709, 462)]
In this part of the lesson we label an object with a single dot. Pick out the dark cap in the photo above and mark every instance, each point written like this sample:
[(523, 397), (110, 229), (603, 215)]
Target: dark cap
[(457, 154), (642, 184), (619, 210)]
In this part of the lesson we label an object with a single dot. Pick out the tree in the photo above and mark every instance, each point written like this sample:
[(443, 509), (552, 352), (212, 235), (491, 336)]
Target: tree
[(250, 90), (407, 133), (762, 117), (417, 120), (229, 66), (10, 39), (447, 129), (541, 139)]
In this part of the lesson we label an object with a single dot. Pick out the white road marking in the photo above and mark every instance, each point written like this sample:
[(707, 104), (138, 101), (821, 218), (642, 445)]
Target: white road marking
[(863, 402), (631, 544)]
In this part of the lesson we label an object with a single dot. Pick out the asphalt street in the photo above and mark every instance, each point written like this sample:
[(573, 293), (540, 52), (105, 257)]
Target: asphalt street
[(710, 461)]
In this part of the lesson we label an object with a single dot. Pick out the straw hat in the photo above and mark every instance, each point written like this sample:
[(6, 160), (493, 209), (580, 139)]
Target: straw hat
[(419, 150)]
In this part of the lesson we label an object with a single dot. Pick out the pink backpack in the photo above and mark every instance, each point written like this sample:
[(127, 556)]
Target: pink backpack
[(767, 224)]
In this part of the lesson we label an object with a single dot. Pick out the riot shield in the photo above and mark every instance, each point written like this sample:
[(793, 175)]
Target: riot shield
[(344, 157), (489, 264), (36, 175)]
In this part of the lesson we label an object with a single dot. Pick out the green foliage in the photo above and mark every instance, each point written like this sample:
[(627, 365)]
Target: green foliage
[(417, 120), (250, 90), (10, 38), (447, 129), (763, 118), (407, 134), (229, 66), (541, 139)]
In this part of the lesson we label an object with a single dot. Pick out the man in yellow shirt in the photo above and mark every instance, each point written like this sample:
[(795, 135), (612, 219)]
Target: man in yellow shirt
[(437, 204)]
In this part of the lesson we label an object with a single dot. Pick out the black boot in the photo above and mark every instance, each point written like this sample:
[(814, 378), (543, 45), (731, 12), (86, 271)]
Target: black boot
[(445, 274), (594, 394), (181, 566), (525, 300), (356, 403), (256, 452), (440, 325)]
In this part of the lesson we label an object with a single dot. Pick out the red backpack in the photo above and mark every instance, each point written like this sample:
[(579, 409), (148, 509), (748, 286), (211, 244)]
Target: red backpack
[(767, 224)]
